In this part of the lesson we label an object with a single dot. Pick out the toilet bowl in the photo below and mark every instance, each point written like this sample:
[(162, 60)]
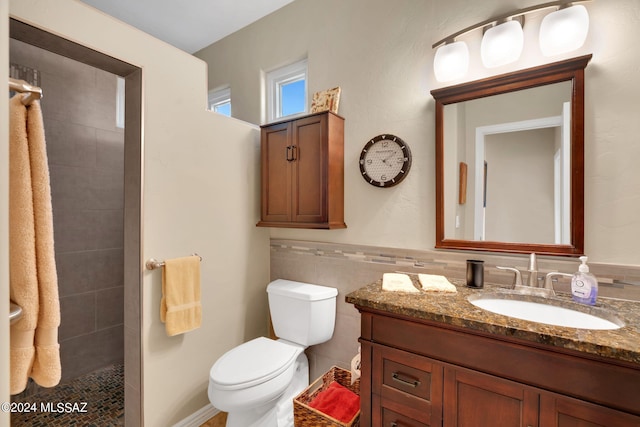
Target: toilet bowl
[(255, 383)]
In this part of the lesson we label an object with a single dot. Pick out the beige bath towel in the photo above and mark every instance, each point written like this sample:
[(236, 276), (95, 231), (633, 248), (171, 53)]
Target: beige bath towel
[(33, 281), (397, 282), (46, 368), (180, 306), (435, 282)]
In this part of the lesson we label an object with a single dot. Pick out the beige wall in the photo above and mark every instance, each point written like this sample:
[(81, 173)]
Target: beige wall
[(4, 214), (380, 53), (195, 200)]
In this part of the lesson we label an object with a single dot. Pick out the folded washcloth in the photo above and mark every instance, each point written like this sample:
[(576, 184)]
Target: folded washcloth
[(397, 282), (434, 282), (338, 402), (180, 307)]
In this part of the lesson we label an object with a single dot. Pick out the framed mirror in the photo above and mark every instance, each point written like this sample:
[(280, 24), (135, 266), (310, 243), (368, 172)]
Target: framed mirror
[(510, 161)]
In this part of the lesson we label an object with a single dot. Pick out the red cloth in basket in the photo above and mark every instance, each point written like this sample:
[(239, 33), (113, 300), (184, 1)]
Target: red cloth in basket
[(338, 402)]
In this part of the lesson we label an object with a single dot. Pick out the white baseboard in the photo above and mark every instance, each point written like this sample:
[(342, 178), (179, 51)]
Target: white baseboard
[(199, 417)]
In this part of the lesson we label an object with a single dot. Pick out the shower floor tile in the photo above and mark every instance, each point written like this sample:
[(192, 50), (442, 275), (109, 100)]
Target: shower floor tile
[(91, 400)]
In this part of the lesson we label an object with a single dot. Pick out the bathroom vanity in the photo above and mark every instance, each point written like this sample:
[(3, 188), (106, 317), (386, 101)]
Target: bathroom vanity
[(434, 359)]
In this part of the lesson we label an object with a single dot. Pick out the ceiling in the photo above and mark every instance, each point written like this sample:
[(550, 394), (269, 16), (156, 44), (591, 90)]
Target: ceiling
[(188, 25)]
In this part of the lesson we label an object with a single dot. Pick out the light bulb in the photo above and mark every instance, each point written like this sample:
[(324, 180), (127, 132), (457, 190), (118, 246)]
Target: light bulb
[(564, 30), (451, 61), (502, 44)]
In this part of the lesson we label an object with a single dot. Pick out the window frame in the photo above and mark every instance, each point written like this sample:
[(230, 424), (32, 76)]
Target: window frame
[(279, 77), (219, 97)]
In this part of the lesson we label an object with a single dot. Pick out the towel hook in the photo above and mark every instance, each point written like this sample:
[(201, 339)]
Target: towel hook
[(153, 263)]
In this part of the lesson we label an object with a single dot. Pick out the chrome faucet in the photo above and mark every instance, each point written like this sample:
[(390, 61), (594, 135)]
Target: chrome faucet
[(533, 271), (548, 280), (532, 287), (517, 279), (532, 280)]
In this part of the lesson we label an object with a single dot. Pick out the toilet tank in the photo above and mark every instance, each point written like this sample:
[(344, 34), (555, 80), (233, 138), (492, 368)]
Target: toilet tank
[(301, 312)]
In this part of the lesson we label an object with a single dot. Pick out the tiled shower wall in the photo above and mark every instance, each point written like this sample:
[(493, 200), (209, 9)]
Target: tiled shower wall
[(350, 267), (86, 164)]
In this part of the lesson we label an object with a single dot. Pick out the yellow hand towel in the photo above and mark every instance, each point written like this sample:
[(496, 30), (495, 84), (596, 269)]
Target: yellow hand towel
[(180, 307), (434, 282)]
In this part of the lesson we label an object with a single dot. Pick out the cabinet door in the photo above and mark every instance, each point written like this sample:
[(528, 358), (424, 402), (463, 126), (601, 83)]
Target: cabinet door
[(309, 174), (276, 173), (562, 411), (473, 399)]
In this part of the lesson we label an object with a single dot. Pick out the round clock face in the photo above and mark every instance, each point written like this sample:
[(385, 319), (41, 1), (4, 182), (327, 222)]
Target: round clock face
[(385, 161)]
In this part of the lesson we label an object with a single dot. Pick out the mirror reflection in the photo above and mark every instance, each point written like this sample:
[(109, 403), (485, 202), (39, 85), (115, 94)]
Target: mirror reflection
[(518, 167), (510, 161)]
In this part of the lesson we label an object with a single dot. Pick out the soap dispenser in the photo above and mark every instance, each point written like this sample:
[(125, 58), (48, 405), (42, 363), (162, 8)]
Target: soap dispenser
[(584, 285)]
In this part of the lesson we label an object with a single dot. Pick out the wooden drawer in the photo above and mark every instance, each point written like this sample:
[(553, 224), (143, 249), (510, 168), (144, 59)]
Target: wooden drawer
[(399, 376), (409, 383), (393, 414)]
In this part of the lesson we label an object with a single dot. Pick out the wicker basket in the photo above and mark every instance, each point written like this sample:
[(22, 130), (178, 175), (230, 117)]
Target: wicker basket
[(306, 416)]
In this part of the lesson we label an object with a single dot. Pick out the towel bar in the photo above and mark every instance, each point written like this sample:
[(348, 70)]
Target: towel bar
[(153, 263), (15, 312)]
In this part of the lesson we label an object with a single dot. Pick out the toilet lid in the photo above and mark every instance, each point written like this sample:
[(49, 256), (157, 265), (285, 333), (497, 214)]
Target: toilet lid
[(253, 362)]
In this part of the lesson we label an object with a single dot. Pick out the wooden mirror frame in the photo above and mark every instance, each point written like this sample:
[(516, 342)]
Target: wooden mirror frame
[(568, 70)]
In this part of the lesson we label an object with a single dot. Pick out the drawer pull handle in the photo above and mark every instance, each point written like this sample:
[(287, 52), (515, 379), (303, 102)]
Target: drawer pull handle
[(410, 383)]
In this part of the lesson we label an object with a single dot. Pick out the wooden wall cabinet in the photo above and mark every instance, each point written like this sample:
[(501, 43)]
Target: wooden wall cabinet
[(302, 173), (419, 374)]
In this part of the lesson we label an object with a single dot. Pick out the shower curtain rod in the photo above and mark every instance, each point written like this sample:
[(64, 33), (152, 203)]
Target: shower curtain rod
[(32, 92)]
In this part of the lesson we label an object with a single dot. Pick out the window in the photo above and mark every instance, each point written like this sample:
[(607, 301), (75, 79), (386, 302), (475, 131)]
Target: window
[(220, 101), (287, 91), (120, 103)]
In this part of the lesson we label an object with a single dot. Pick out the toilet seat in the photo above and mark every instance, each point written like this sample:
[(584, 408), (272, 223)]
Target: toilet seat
[(252, 363)]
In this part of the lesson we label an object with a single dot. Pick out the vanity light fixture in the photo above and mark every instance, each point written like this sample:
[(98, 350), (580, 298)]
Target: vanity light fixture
[(561, 31), (564, 30), (451, 61), (502, 43)]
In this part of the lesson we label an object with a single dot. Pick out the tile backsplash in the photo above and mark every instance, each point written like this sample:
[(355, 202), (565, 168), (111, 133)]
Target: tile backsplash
[(350, 267)]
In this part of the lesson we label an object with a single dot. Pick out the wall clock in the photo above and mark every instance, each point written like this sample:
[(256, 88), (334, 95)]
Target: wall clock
[(385, 161)]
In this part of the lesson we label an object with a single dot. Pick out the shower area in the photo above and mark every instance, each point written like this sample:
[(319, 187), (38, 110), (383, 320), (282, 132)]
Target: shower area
[(83, 113)]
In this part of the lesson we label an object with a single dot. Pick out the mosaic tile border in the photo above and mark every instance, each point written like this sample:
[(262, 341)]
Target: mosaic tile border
[(617, 281)]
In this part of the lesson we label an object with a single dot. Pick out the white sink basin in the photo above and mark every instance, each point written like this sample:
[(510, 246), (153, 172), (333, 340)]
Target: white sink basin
[(521, 307)]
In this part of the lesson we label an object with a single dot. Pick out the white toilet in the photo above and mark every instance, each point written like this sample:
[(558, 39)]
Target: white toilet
[(255, 383)]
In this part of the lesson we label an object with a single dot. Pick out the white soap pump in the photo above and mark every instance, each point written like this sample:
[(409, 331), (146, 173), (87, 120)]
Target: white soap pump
[(584, 285)]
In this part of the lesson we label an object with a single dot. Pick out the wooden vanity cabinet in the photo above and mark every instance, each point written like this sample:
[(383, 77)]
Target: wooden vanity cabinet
[(562, 411), (421, 373), (302, 162), (478, 399)]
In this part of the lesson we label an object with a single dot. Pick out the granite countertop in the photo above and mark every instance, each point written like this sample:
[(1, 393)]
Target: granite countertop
[(454, 309)]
